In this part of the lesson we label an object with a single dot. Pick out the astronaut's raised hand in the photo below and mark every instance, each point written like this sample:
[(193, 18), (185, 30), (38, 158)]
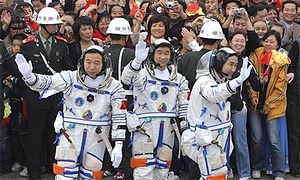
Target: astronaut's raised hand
[(244, 74), (25, 68), (116, 154), (141, 53)]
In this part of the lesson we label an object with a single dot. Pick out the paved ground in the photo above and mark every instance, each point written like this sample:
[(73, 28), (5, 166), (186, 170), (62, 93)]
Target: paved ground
[(183, 176)]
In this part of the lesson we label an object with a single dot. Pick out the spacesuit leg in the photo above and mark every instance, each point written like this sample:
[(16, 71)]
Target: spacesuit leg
[(66, 167), (143, 161), (144, 173), (161, 174), (187, 141), (61, 177), (164, 153), (93, 157), (212, 162)]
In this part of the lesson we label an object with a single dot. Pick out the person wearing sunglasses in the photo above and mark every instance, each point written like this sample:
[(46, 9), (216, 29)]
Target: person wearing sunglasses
[(16, 26)]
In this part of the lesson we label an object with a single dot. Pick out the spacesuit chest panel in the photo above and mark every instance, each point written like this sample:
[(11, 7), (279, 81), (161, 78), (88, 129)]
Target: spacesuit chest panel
[(214, 114), (87, 104), (158, 96)]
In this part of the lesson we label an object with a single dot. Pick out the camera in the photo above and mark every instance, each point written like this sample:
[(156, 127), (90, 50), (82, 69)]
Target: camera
[(238, 11), (25, 19), (169, 4)]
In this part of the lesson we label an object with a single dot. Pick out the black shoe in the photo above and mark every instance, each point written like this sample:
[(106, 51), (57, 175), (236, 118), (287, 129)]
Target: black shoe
[(295, 173), (34, 178), (3, 171)]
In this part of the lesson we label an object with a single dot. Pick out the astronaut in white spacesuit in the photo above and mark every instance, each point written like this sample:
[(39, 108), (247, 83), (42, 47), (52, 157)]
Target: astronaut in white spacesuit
[(93, 102), (208, 139), (160, 94)]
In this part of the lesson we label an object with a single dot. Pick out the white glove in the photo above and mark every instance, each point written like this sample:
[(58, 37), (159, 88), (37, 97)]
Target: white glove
[(25, 68), (116, 154), (141, 53), (244, 110), (244, 74)]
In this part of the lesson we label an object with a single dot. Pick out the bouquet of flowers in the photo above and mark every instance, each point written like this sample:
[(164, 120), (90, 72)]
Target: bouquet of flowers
[(273, 58)]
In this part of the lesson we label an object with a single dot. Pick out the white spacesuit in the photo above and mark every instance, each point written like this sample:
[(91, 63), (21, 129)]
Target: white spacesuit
[(159, 96), (90, 108), (208, 140)]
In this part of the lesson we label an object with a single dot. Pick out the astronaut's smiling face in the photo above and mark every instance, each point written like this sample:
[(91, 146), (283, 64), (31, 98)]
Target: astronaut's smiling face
[(93, 64), (230, 65), (162, 57)]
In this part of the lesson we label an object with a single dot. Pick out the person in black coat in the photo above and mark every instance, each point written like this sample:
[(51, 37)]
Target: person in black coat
[(43, 108)]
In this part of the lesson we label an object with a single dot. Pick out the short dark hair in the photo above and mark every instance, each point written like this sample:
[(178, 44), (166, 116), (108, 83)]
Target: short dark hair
[(116, 36), (254, 9), (115, 5), (209, 41), (272, 7), (159, 18), (20, 36), (277, 36), (144, 2), (53, 4), (102, 16), (279, 25), (235, 33), (42, 1), (72, 14), (83, 20), (179, 35), (287, 2), (16, 19)]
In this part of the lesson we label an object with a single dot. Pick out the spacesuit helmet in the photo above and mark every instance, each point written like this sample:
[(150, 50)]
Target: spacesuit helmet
[(106, 67), (219, 57), (213, 61), (203, 65), (150, 62)]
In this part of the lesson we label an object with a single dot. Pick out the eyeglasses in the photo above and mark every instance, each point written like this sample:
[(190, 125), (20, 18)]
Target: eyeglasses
[(15, 28)]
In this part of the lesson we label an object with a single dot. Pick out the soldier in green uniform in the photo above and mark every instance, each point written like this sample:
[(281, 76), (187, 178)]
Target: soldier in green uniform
[(48, 54)]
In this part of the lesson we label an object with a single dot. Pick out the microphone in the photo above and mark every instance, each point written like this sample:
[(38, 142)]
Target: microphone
[(156, 65)]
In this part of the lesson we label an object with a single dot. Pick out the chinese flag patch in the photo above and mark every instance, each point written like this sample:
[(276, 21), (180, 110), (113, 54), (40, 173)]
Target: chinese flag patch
[(124, 104)]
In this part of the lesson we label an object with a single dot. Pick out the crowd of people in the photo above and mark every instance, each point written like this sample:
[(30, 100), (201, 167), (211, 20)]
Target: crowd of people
[(147, 89)]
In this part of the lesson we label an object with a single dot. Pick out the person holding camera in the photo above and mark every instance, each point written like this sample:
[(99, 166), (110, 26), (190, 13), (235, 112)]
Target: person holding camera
[(177, 15), (241, 22)]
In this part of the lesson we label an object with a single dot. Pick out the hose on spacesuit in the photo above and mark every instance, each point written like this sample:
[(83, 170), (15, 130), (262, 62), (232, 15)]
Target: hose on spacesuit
[(141, 130), (175, 127), (67, 136), (105, 139)]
